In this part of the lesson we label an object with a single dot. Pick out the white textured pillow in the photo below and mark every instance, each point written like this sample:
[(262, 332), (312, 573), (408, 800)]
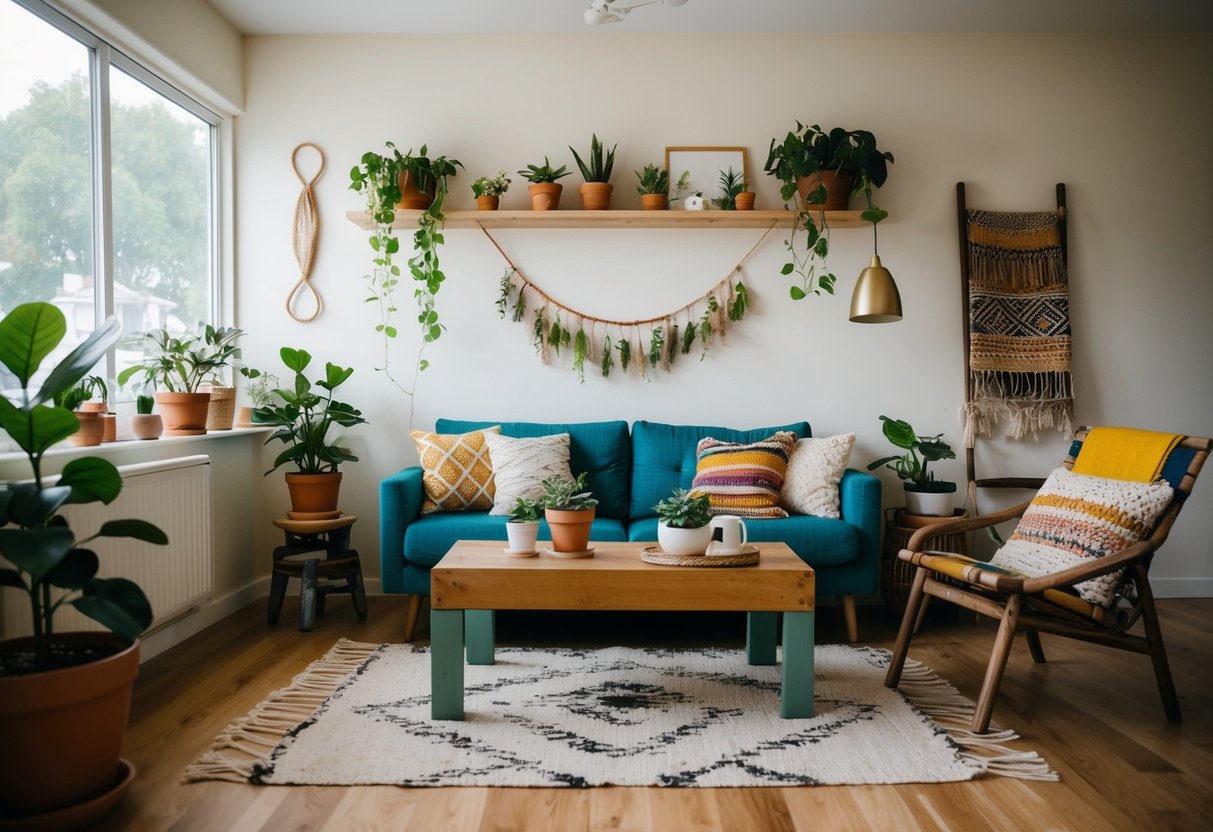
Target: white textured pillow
[(814, 471), (521, 465)]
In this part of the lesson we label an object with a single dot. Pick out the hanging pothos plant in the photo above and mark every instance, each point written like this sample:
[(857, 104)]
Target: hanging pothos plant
[(377, 178)]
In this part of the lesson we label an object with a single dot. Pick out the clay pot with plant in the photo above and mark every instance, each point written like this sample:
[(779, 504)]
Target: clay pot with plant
[(653, 188), (145, 424), (91, 430), (419, 176), (924, 494), (302, 422), (569, 510), (489, 190), (596, 192), (64, 697), (732, 185), (522, 529), (543, 187), (683, 518), (259, 390)]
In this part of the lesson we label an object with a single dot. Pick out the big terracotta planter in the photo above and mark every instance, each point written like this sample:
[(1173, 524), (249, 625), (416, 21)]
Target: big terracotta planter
[(654, 202), (183, 414), (314, 496), (570, 529), (596, 196), (147, 425), (745, 201), (92, 430), (838, 189), (545, 196), (410, 196), (486, 202), (61, 730)]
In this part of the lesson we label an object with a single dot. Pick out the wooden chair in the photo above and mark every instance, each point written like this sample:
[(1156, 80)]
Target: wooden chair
[(1048, 604)]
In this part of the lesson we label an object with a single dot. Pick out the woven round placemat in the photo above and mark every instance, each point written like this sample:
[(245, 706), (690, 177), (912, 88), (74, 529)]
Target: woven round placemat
[(655, 554)]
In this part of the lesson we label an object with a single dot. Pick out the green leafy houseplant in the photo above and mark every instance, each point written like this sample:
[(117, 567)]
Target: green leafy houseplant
[(525, 511), (569, 510), (912, 466), (180, 365), (601, 163), (684, 509), (731, 184), (543, 174), (491, 185), (653, 180), (260, 387), (563, 494)]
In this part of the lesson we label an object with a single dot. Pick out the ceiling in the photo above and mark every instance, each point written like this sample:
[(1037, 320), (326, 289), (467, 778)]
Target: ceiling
[(266, 17)]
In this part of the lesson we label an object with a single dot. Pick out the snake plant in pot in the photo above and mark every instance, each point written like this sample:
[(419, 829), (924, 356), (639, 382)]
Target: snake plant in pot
[(64, 697), (925, 495), (569, 510), (302, 422)]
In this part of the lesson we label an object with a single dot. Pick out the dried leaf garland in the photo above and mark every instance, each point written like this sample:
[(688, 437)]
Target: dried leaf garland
[(741, 302), (607, 360), (581, 347), (688, 337), (506, 291), (672, 347), (656, 344), (625, 353)]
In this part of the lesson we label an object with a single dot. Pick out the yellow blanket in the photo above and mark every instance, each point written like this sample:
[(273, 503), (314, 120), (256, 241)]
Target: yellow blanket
[(1125, 453)]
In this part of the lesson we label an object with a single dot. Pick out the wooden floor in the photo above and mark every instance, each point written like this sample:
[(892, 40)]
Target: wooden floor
[(1093, 713)]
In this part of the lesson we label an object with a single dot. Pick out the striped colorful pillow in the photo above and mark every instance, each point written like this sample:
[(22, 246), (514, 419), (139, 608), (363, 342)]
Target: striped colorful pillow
[(744, 479), (1074, 518)]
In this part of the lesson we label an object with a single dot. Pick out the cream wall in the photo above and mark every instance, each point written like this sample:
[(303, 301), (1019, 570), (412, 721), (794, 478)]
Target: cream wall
[(1124, 121)]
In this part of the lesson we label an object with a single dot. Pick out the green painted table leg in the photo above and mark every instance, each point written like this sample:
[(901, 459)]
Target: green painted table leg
[(796, 694), (446, 664), (480, 637), (760, 637)]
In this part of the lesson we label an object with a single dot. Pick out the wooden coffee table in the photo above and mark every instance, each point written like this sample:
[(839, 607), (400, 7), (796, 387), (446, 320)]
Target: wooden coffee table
[(475, 578)]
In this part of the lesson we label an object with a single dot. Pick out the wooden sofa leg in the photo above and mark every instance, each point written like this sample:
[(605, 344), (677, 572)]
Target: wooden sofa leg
[(410, 617), (998, 663), (848, 611)]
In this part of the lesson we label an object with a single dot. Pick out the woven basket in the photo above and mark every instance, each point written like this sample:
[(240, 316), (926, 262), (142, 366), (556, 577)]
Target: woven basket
[(897, 576), (223, 407), (656, 555)]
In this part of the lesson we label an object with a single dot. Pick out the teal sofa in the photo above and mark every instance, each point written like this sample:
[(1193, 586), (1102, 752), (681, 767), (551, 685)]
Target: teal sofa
[(629, 471)]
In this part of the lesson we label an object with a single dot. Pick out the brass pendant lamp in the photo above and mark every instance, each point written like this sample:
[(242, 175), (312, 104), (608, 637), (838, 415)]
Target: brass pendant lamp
[(876, 299)]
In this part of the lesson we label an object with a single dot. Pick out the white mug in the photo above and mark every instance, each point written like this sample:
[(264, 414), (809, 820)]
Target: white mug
[(728, 535)]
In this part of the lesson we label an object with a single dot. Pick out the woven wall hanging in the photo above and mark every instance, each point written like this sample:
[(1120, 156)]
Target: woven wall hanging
[(304, 236)]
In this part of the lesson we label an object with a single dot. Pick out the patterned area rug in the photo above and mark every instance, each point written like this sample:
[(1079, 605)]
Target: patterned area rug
[(622, 716)]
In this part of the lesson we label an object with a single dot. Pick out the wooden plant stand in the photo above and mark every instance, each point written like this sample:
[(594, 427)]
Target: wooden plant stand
[(315, 551)]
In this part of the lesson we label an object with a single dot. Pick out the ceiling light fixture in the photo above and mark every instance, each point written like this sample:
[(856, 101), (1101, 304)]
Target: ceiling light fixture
[(608, 11)]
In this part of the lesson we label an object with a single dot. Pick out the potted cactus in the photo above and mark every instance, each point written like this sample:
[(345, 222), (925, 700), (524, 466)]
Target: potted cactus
[(522, 529), (543, 187), (569, 510), (683, 518), (145, 424)]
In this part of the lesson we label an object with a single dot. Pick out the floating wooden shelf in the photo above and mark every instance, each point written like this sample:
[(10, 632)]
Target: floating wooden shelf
[(613, 219)]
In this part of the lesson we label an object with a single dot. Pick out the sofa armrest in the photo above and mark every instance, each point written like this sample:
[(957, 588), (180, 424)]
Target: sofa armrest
[(400, 498), (859, 504)]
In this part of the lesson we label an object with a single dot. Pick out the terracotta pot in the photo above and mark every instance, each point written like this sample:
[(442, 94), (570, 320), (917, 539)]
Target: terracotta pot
[(570, 529), (92, 430), (183, 414), (545, 196), (94, 407), (745, 201), (411, 197), (314, 496), (838, 189), (61, 730), (109, 427), (654, 202), (244, 416), (596, 196), (484, 202), (147, 425), (222, 408)]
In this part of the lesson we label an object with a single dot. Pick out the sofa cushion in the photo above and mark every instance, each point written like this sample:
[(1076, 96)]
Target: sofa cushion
[(663, 457), (814, 471), (431, 537), (818, 541), (458, 471), (600, 448), (744, 478), (521, 464)]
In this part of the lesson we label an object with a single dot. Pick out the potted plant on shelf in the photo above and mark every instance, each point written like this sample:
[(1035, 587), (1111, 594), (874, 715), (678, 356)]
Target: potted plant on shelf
[(179, 365), (596, 192), (64, 697), (302, 423), (653, 188), (260, 391), (489, 190), (731, 186), (522, 529), (543, 187), (91, 429), (925, 495), (98, 402), (569, 510), (421, 177), (145, 424), (221, 411), (683, 519)]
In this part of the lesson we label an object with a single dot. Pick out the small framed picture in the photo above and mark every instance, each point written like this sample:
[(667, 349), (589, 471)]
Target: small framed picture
[(697, 170)]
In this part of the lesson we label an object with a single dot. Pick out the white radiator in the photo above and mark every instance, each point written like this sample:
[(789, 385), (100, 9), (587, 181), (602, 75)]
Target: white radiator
[(174, 494)]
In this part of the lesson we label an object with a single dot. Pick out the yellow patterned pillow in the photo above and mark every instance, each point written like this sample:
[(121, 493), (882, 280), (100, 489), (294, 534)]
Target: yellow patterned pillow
[(458, 471)]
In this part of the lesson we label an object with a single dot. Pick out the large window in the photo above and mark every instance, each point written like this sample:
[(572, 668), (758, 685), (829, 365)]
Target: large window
[(107, 185)]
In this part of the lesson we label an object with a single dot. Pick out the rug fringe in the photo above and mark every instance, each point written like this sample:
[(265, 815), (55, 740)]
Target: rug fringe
[(938, 699), (249, 739)]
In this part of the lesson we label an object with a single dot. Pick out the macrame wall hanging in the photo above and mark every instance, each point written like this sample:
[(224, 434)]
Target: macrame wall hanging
[(643, 345), (305, 234)]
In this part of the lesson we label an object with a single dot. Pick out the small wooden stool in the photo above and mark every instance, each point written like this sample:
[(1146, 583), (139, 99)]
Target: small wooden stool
[(315, 550)]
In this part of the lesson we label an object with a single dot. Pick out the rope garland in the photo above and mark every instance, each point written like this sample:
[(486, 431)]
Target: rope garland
[(305, 235)]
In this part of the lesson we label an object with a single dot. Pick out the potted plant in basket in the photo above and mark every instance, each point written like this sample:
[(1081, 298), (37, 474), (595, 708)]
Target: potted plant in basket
[(596, 192), (653, 188), (489, 190), (925, 495), (180, 365), (303, 421), (683, 519), (145, 424), (522, 528), (543, 187), (64, 697), (569, 510)]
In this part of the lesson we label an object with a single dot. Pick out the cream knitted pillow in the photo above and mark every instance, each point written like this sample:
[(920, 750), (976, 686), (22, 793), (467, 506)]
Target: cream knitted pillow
[(521, 465), (814, 471)]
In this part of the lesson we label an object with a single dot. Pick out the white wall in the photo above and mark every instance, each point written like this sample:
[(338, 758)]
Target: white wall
[(1124, 121)]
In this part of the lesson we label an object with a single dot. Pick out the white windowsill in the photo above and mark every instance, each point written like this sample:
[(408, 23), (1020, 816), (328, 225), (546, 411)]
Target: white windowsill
[(65, 451)]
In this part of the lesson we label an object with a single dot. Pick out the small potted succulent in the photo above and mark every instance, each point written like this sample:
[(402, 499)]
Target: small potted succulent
[(92, 425), (925, 495), (653, 188), (145, 424), (543, 187), (522, 528), (596, 192), (683, 519), (489, 190), (569, 510)]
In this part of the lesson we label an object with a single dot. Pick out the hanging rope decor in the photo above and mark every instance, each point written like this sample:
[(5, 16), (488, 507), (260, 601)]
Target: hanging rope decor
[(644, 345), (305, 235)]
